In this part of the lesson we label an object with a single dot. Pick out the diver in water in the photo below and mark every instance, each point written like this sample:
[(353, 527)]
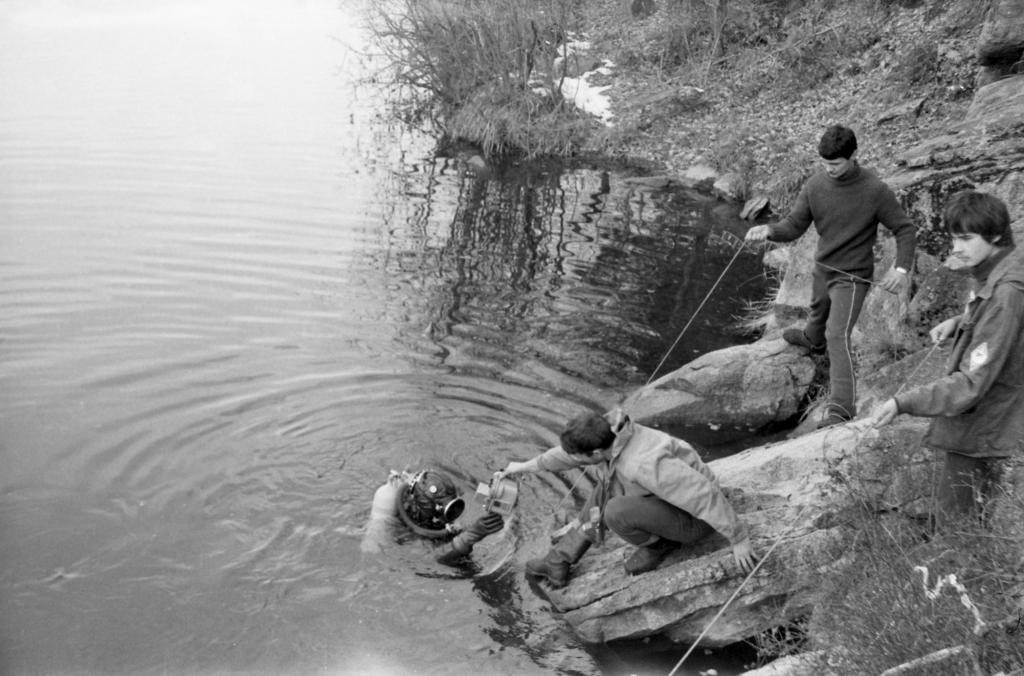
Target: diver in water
[(428, 503)]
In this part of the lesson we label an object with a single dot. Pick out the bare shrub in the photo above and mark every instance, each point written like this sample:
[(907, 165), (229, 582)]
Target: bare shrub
[(475, 67)]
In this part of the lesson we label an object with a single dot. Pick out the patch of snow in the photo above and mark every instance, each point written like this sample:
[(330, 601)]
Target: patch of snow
[(587, 97)]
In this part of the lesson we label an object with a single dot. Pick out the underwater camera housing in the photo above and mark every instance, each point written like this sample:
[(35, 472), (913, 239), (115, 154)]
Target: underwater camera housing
[(498, 497)]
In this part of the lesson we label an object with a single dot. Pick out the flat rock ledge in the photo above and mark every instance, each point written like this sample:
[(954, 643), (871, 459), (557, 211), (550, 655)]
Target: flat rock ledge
[(796, 495)]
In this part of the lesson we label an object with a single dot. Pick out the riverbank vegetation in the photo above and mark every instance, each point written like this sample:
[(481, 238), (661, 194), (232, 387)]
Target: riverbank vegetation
[(908, 590), (481, 72), (741, 85)]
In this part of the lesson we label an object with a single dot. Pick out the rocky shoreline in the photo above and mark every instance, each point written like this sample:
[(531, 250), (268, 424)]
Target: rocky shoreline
[(792, 494)]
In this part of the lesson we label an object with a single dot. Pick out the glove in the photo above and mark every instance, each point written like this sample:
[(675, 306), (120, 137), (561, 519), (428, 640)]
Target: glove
[(464, 541), (481, 528)]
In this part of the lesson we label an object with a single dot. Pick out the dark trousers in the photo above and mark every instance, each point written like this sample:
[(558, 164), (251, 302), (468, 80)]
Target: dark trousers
[(637, 519), (967, 484), (835, 308)]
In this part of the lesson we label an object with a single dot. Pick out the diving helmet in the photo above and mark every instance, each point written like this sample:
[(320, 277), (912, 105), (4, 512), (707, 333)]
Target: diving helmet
[(429, 503)]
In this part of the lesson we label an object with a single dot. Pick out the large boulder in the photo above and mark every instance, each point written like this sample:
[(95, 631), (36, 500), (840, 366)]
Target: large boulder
[(1001, 44), (746, 385), (795, 497)]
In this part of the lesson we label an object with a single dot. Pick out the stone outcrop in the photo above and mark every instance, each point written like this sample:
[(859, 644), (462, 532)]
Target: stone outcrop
[(795, 496), (1001, 45), (747, 386), (807, 664)]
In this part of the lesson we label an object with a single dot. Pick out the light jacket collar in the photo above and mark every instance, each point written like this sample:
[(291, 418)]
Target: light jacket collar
[(1005, 264), (622, 428)]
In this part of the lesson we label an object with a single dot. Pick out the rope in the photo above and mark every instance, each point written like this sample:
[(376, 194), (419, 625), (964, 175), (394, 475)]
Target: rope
[(853, 276), (732, 598), (908, 379), (693, 316), (583, 473)]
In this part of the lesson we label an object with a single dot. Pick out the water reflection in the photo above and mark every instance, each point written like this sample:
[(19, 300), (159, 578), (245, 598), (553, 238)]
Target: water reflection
[(552, 263)]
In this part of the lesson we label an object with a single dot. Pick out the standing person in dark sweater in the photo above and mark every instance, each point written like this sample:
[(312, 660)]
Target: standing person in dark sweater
[(846, 202)]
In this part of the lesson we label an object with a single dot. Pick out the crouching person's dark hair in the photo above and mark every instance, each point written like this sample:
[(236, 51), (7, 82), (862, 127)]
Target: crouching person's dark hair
[(587, 433)]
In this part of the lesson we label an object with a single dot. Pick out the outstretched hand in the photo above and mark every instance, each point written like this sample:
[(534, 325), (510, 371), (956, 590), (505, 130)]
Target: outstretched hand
[(758, 233), (488, 523), (885, 413), (743, 553), (464, 541), (893, 280), (941, 332), (515, 467), (485, 525)]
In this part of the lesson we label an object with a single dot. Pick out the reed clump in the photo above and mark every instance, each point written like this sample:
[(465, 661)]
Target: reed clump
[(483, 71)]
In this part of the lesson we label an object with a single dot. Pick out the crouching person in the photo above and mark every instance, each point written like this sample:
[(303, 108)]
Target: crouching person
[(655, 493)]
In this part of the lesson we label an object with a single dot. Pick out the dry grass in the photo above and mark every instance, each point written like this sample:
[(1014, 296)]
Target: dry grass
[(911, 591), (773, 74)]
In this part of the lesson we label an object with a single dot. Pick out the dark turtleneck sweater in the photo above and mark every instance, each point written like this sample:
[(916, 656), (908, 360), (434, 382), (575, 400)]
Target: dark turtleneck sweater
[(846, 212)]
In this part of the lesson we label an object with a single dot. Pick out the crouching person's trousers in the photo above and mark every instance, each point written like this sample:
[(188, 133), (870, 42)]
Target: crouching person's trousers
[(637, 519)]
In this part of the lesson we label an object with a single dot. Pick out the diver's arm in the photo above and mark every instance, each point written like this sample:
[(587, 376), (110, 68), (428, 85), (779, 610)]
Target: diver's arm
[(462, 545)]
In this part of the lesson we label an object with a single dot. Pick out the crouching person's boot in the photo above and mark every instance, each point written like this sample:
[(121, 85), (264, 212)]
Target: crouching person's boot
[(648, 557), (554, 566)]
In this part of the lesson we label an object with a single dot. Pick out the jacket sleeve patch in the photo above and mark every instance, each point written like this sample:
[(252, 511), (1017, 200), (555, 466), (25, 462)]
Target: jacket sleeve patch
[(979, 357)]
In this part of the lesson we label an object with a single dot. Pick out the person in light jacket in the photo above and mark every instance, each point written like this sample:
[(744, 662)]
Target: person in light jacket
[(655, 493)]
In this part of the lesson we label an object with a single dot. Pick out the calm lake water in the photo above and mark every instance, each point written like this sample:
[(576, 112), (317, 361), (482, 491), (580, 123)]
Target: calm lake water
[(234, 295)]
